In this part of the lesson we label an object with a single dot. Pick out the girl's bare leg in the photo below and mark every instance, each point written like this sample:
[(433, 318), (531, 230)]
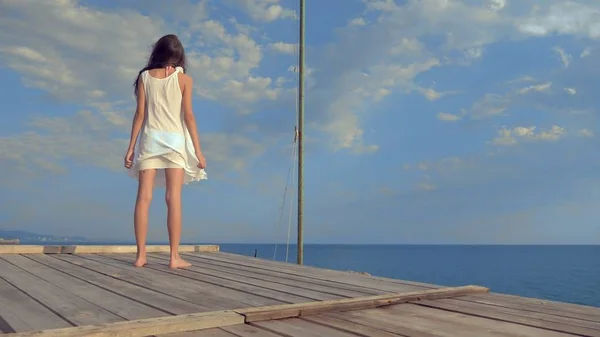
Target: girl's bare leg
[(140, 217), (174, 177)]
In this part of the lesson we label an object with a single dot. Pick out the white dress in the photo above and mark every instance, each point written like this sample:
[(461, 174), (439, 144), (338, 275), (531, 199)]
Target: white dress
[(165, 141)]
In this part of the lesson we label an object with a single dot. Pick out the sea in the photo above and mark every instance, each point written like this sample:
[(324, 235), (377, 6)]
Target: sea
[(560, 273)]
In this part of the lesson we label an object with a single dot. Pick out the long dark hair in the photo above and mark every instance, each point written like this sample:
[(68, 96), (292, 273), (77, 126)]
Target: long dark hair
[(167, 51)]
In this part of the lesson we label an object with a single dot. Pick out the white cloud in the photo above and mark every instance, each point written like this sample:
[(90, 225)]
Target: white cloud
[(564, 57), (571, 91), (586, 52), (357, 22), (586, 133), (564, 18), (448, 117), (264, 10), (538, 87), (515, 135)]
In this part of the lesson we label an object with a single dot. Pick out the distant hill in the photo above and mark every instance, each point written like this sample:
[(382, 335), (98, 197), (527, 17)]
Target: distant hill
[(24, 236)]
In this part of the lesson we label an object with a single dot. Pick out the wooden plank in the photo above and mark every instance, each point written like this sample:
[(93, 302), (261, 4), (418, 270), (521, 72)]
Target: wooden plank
[(177, 289), (146, 327), (308, 291), (283, 278), (538, 305), (300, 328), (417, 321), (339, 324), (514, 317), (16, 306), (71, 308), (119, 305), (27, 249), (545, 316), (178, 284), (228, 282), (214, 332), (159, 301), (293, 266), (345, 278), (96, 249), (367, 302), (245, 330)]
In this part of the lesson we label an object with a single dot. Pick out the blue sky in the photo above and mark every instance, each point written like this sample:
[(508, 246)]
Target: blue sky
[(427, 121)]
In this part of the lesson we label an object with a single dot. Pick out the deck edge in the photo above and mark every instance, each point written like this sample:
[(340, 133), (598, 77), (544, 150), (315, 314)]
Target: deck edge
[(99, 249)]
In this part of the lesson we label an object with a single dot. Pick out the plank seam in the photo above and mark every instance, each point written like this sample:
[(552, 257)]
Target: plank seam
[(316, 278), (198, 321), (35, 299), (370, 277), (502, 320), (258, 278), (497, 305), (99, 286), (366, 291), (220, 285), (124, 279)]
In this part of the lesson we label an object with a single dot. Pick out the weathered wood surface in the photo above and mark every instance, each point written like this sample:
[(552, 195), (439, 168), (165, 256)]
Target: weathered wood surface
[(367, 302), (93, 291), (95, 249)]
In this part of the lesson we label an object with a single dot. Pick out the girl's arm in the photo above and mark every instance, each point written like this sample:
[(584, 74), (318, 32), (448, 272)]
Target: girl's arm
[(188, 114), (140, 114)]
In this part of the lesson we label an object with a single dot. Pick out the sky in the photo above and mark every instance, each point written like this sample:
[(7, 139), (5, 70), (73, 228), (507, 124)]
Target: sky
[(426, 121)]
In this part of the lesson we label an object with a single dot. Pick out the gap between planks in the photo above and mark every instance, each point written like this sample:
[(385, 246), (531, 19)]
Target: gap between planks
[(216, 319), (94, 249)]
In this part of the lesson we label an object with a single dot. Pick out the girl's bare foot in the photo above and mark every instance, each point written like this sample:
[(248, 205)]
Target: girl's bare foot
[(179, 263), (140, 262)]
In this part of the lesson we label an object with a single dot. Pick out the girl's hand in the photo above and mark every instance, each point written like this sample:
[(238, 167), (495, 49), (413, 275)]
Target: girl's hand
[(201, 160), (129, 159)]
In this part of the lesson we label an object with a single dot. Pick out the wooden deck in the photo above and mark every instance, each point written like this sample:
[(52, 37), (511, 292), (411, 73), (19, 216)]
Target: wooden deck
[(74, 291)]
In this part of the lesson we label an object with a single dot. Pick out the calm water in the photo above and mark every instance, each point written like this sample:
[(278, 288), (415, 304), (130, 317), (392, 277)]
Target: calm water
[(561, 273)]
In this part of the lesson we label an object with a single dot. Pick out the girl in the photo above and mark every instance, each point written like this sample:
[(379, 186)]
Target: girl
[(168, 141)]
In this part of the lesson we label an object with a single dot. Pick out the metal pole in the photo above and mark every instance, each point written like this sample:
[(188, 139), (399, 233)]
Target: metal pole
[(300, 259)]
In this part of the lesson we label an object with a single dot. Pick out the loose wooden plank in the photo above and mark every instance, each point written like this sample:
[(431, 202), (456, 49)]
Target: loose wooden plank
[(309, 291), (367, 302), (417, 320), (74, 309), (496, 314), (177, 282), (146, 327), (29, 249), (538, 305), (96, 249), (339, 324), (283, 278), (119, 305), (258, 294), (16, 306), (368, 282), (301, 328), (159, 301)]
